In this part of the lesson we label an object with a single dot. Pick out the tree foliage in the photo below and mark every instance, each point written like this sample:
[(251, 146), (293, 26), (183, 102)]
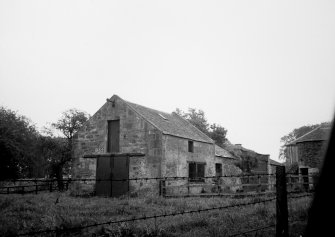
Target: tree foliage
[(24, 152), (70, 122), (218, 134), (293, 135), (17, 138), (198, 119)]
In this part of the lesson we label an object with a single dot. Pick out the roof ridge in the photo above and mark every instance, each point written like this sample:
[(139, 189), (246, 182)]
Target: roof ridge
[(158, 111)]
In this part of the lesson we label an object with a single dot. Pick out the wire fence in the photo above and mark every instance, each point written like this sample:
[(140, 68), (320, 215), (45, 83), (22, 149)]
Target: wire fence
[(174, 186), (165, 215), (260, 182), (140, 218)]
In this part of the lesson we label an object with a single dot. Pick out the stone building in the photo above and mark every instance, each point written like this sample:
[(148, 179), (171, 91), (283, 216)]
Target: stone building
[(308, 150), (146, 143), (305, 155)]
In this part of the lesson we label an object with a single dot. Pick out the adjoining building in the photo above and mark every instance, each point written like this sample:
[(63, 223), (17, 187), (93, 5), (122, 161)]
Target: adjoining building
[(305, 154), (254, 165), (308, 150)]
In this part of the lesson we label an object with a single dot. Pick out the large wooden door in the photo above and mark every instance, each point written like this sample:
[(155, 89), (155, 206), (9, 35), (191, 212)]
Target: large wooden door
[(120, 171), (110, 174), (103, 185), (112, 167), (113, 136)]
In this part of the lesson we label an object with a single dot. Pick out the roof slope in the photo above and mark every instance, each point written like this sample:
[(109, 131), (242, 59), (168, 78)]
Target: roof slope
[(275, 163), (171, 124), (219, 151), (241, 152), (317, 134)]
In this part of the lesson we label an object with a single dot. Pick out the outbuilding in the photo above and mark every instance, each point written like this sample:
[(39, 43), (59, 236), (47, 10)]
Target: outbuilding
[(125, 142)]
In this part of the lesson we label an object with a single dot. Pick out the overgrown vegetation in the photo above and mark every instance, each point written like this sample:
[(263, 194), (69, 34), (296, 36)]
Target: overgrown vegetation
[(20, 214), (26, 152)]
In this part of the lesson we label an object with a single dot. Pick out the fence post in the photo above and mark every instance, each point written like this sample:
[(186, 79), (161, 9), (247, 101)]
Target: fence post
[(281, 203)]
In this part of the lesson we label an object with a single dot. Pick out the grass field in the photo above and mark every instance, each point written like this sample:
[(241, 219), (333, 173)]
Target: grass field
[(24, 213)]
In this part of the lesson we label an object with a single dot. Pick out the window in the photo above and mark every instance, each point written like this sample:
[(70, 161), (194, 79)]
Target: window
[(218, 169), (196, 172), (190, 146)]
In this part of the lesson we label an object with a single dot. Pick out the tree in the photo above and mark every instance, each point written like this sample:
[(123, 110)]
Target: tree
[(198, 119), (218, 134), (296, 133), (17, 139), (70, 122), (195, 117), (60, 148), (54, 156)]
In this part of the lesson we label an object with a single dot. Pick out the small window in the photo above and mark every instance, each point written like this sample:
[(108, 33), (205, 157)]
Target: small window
[(196, 172), (218, 169), (190, 146)]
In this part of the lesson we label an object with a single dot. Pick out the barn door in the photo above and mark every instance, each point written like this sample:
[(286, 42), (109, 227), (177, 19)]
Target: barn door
[(120, 171), (103, 184), (109, 169)]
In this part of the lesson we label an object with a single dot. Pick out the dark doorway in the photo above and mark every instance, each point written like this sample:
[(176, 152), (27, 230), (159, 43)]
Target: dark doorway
[(305, 180), (120, 171), (112, 176), (103, 176), (218, 169), (113, 136)]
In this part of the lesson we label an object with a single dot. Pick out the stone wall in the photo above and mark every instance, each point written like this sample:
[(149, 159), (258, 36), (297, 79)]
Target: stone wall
[(175, 162), (136, 135), (311, 153), (176, 158)]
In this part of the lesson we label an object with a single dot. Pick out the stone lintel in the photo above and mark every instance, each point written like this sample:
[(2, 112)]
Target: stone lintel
[(114, 155)]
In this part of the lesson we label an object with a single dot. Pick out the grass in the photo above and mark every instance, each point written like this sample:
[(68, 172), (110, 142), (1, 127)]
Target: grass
[(24, 213)]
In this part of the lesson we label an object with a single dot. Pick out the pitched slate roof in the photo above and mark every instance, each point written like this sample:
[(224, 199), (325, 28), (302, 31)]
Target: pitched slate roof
[(220, 152), (171, 124), (317, 134)]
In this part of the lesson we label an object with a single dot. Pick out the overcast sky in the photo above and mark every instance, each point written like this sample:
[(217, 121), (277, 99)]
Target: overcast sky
[(258, 68)]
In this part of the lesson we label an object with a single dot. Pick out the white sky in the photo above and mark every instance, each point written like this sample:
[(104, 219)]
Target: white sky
[(258, 68)]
